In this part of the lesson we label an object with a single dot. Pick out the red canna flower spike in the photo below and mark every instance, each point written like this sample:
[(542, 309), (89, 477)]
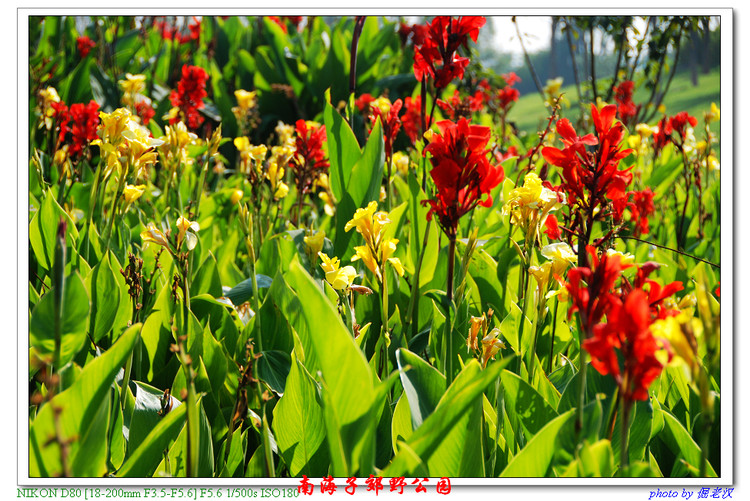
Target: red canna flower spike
[(85, 44), (191, 89), (461, 171)]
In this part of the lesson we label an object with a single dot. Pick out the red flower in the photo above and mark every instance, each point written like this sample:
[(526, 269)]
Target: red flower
[(593, 300), (506, 97), (592, 178), (391, 124), (412, 118), (626, 108), (627, 329), (437, 57), (85, 119), (85, 44), (461, 171), (144, 110), (309, 159), (552, 229), (680, 121), (77, 124), (363, 102), (189, 95), (462, 107), (278, 21), (641, 207)]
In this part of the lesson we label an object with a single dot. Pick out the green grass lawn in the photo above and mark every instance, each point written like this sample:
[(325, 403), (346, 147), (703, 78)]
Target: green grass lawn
[(530, 115)]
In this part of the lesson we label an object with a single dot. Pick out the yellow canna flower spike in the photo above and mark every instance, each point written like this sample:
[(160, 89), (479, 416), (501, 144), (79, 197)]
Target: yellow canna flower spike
[(152, 234), (191, 239), (339, 278), (315, 242)]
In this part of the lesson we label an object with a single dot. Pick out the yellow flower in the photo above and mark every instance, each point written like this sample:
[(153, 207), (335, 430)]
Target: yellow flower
[(674, 330), (713, 114), (132, 193), (112, 125), (245, 99), (382, 103), (154, 235), (329, 207), (339, 278), (477, 324), (131, 87), (552, 91), (401, 162), (530, 204), (133, 84), (286, 134), (236, 196), (362, 220), (661, 108), (491, 345), (378, 250), (625, 257), (46, 98), (183, 225), (560, 252), (315, 242), (275, 174), (645, 130), (140, 147)]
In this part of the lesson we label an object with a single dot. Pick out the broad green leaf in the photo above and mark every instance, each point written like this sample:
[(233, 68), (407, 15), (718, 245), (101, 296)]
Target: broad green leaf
[(460, 400), (524, 401), (423, 385), (177, 466), (343, 149), (145, 415), (43, 230), (78, 409), (681, 443), (236, 457), (597, 460), (534, 459), (273, 369), (74, 313), (105, 298), (298, 424), (144, 461), (401, 424), (348, 386), (157, 333), (244, 290)]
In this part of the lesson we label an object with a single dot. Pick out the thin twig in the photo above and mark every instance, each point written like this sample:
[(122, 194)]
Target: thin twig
[(670, 249)]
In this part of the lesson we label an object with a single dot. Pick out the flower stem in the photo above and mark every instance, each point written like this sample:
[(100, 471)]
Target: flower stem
[(448, 359)]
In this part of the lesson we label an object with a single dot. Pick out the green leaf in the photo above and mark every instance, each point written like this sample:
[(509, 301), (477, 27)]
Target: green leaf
[(524, 401), (298, 424), (423, 385), (76, 411), (145, 415), (534, 459), (460, 404), (144, 461), (362, 187), (401, 423), (105, 298), (348, 386), (681, 443), (243, 291), (273, 369), (75, 312), (343, 149), (597, 460), (177, 464), (43, 230), (157, 333)]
